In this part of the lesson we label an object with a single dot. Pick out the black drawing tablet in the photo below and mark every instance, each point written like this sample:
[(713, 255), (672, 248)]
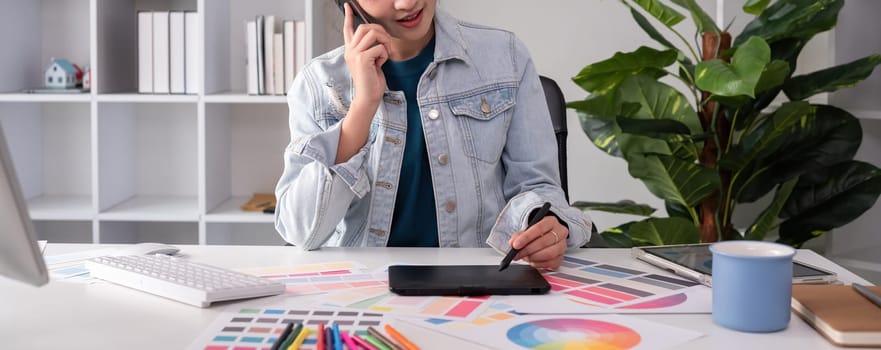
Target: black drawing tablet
[(465, 280)]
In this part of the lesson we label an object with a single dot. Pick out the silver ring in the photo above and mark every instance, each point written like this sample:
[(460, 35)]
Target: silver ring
[(556, 237)]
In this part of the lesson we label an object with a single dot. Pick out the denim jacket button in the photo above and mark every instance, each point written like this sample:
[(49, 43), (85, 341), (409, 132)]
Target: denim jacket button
[(451, 206), (433, 114), (443, 159)]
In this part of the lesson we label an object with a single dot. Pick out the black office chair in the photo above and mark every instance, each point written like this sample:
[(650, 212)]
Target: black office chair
[(557, 107)]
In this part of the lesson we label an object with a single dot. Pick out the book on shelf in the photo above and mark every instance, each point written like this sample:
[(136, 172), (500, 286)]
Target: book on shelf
[(301, 45), (176, 59), (278, 61), (161, 69), (145, 52), (269, 54), (261, 51), (839, 313), (251, 61), (289, 54), (191, 50)]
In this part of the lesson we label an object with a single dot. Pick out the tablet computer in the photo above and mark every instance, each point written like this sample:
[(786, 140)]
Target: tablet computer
[(465, 280), (695, 261)]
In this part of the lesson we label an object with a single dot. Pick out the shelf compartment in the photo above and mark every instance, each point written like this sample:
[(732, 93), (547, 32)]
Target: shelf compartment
[(229, 211), (242, 234), (122, 232), (51, 149), (147, 161), (45, 97), (241, 97), (71, 231), (54, 28), (147, 98), (244, 150)]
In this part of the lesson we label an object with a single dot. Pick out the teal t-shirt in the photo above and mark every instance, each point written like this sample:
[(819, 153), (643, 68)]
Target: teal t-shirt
[(414, 223)]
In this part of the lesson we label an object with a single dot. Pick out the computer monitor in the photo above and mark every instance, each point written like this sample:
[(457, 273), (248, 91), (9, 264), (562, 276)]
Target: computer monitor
[(20, 257)]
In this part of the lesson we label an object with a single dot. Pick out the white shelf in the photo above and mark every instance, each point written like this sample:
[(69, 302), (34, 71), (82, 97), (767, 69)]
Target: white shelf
[(229, 212), (154, 208), (147, 98), (241, 97), (866, 114), (44, 97), (60, 208)]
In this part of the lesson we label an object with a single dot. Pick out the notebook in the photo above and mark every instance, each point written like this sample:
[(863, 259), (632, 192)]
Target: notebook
[(839, 313)]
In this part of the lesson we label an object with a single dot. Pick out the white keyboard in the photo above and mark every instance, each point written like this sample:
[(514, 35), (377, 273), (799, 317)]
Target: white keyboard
[(181, 280)]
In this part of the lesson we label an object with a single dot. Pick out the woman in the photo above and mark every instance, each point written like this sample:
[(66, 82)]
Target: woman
[(423, 130)]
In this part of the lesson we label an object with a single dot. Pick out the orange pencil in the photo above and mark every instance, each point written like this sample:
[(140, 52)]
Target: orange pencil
[(400, 338)]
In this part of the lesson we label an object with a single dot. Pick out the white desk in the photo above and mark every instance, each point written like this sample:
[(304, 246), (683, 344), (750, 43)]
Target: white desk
[(105, 316)]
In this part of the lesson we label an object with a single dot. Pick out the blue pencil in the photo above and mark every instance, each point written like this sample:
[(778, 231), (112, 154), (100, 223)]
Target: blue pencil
[(337, 342)]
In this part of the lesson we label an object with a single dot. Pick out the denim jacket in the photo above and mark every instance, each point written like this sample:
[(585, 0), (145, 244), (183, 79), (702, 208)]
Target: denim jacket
[(488, 136)]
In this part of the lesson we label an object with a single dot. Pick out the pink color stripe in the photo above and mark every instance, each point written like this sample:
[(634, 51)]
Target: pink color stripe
[(303, 274), (243, 348), (335, 272), (215, 347), (365, 284), (593, 297), (611, 293), (463, 309), (557, 287), (561, 281)]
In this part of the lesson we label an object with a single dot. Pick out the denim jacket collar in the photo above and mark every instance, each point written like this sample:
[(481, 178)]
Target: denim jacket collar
[(449, 42)]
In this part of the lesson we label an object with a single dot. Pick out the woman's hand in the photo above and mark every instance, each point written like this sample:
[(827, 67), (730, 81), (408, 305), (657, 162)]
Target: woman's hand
[(542, 245), (367, 48)]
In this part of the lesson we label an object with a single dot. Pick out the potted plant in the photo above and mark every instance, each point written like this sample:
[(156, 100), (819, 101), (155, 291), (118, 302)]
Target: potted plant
[(719, 142)]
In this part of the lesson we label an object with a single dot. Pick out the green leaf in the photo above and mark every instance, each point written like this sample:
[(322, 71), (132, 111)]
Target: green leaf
[(755, 7), (661, 12), (818, 204), (649, 29), (677, 210), (654, 128), (738, 78), (602, 133), (831, 79), (767, 137), (703, 21), (619, 207), (662, 231), (774, 75), (659, 101), (827, 136), (792, 19), (604, 76), (672, 179), (616, 238), (768, 218)]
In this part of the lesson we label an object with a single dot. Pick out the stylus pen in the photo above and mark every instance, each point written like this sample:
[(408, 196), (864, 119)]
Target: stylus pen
[(542, 212), (872, 296), (284, 335)]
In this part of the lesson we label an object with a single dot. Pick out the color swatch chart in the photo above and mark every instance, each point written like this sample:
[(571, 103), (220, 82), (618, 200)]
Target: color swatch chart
[(258, 328), (609, 285), (379, 299), (319, 278)]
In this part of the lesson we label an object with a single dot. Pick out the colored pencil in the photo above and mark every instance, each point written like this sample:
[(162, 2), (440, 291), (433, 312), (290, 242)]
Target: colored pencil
[(348, 340), (290, 340), (382, 338), (378, 344), (328, 338), (284, 335), (300, 339), (337, 342), (319, 345), (406, 343), (362, 343)]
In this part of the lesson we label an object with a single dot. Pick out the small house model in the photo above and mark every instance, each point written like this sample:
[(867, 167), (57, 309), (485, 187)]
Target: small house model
[(61, 74)]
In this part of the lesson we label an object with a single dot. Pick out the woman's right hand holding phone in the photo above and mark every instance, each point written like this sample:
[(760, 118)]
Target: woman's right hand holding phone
[(367, 49)]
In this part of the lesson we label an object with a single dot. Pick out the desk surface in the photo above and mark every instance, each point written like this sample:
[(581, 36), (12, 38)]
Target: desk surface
[(105, 316)]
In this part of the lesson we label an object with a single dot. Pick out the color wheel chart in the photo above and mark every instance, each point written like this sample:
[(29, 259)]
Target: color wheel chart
[(549, 332), (258, 328), (572, 333)]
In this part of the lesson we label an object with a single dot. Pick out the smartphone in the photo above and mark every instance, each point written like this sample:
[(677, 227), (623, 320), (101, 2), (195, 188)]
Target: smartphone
[(360, 15), (695, 261)]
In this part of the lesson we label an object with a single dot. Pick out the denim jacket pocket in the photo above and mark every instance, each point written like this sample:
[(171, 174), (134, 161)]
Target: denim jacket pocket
[(483, 119)]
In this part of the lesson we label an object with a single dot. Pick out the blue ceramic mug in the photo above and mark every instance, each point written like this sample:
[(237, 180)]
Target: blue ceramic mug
[(752, 285)]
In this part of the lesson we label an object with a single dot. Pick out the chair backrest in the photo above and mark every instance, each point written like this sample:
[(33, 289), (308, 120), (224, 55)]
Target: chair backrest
[(557, 107)]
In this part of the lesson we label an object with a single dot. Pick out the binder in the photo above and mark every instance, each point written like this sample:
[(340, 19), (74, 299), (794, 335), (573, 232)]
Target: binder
[(177, 60), (289, 54), (301, 45), (251, 64), (145, 52), (261, 61), (161, 70), (269, 54), (278, 61), (191, 52)]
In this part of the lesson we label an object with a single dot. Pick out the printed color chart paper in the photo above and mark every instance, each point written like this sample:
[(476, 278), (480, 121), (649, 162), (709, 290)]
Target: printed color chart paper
[(379, 299), (258, 328), (584, 286), (571, 332), (319, 278)]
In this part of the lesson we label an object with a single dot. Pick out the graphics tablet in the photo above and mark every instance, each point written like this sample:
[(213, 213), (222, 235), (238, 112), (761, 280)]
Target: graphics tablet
[(465, 280), (695, 261)]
